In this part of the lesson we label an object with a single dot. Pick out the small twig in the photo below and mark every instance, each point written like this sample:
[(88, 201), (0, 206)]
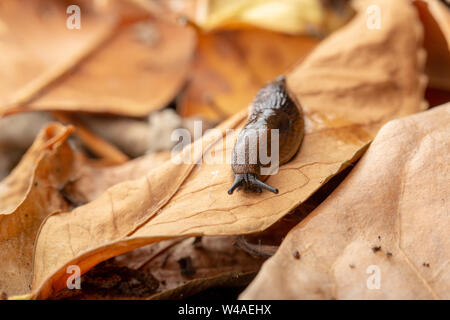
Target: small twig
[(97, 145), (257, 250), (160, 252)]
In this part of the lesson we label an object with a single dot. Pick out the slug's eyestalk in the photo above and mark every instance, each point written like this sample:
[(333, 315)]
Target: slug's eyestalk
[(251, 182)]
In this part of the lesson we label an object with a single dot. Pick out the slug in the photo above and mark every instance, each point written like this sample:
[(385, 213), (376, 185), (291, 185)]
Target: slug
[(272, 108)]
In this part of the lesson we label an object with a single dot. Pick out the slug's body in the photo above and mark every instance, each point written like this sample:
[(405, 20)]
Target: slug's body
[(272, 108)]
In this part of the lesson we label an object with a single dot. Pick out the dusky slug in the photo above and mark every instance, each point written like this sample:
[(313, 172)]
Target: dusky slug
[(272, 108)]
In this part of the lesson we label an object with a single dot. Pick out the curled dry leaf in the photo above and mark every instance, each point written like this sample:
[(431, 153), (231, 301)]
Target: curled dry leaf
[(29, 63), (27, 196), (147, 196), (231, 66), (110, 82), (190, 199), (390, 214)]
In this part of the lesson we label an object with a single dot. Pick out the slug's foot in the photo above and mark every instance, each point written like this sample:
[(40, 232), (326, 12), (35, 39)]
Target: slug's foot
[(250, 182)]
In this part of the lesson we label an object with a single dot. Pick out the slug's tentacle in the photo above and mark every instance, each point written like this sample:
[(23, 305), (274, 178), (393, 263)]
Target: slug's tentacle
[(238, 180), (250, 181), (255, 182)]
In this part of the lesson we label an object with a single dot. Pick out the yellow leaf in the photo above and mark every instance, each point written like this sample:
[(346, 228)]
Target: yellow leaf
[(288, 16)]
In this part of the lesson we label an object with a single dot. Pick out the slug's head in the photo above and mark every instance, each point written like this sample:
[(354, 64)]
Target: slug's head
[(250, 181)]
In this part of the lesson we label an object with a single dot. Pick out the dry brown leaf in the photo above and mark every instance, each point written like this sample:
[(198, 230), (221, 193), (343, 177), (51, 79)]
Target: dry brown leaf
[(27, 196), (351, 71), (29, 63), (109, 81), (231, 66), (392, 211), (91, 181), (346, 95)]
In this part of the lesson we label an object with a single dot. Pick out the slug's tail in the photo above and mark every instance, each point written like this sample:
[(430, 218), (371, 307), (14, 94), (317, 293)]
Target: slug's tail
[(251, 181)]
